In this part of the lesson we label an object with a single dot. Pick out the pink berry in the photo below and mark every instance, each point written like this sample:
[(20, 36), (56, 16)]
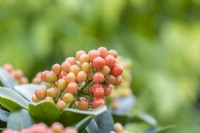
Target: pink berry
[(57, 127), (98, 92), (79, 53), (8, 67), (74, 69), (70, 77), (71, 60), (116, 70), (52, 92), (56, 68), (93, 54), (65, 66), (98, 102), (61, 104), (113, 53), (81, 76), (72, 87), (103, 52), (110, 61), (118, 81), (40, 93), (107, 89), (98, 63), (98, 77), (84, 58)]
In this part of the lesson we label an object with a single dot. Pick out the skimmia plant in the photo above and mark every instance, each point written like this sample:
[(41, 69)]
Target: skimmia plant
[(71, 97)]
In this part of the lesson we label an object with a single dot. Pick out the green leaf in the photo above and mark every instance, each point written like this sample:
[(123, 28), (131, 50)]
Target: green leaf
[(6, 79), (160, 129), (27, 90), (4, 115), (71, 116), (11, 100), (80, 126), (92, 127), (19, 119), (105, 122), (44, 112), (142, 117)]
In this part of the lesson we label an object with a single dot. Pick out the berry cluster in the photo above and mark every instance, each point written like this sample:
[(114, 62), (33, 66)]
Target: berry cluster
[(124, 89), (82, 81), (118, 128), (42, 128), (17, 74)]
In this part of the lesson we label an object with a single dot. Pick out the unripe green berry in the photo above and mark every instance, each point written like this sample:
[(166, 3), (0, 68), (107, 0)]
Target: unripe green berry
[(118, 127), (86, 67), (40, 93), (84, 58), (81, 76), (50, 77), (113, 53), (105, 70), (74, 69), (98, 77), (65, 66), (70, 77), (52, 92), (56, 68), (61, 84), (68, 97), (110, 79)]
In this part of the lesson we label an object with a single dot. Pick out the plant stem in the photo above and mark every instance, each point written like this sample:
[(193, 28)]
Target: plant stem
[(83, 87), (56, 99)]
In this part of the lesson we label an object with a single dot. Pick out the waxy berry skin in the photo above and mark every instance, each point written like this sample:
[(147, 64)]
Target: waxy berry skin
[(68, 97), (110, 61), (117, 70), (40, 93), (98, 102), (107, 89), (103, 52), (83, 104), (98, 63), (98, 92), (93, 54), (72, 87), (56, 68), (52, 92), (61, 84), (113, 53), (65, 66), (79, 53), (98, 77), (81, 76)]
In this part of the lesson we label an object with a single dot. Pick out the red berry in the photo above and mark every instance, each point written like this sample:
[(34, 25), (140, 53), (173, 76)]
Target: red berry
[(71, 77), (65, 66), (116, 70), (98, 102), (52, 92), (107, 89), (72, 87), (79, 53), (98, 63), (93, 54), (103, 51), (105, 70), (113, 53), (38, 128), (83, 104), (43, 75), (98, 77), (110, 79), (81, 76), (85, 67), (71, 60), (40, 93), (74, 69), (110, 61), (118, 81), (84, 58), (98, 92), (61, 84)]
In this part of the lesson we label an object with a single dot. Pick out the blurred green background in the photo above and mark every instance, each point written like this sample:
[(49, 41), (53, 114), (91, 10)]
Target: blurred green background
[(161, 37)]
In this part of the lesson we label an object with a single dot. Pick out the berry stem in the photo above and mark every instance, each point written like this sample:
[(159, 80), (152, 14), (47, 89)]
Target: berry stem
[(83, 87), (56, 99)]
